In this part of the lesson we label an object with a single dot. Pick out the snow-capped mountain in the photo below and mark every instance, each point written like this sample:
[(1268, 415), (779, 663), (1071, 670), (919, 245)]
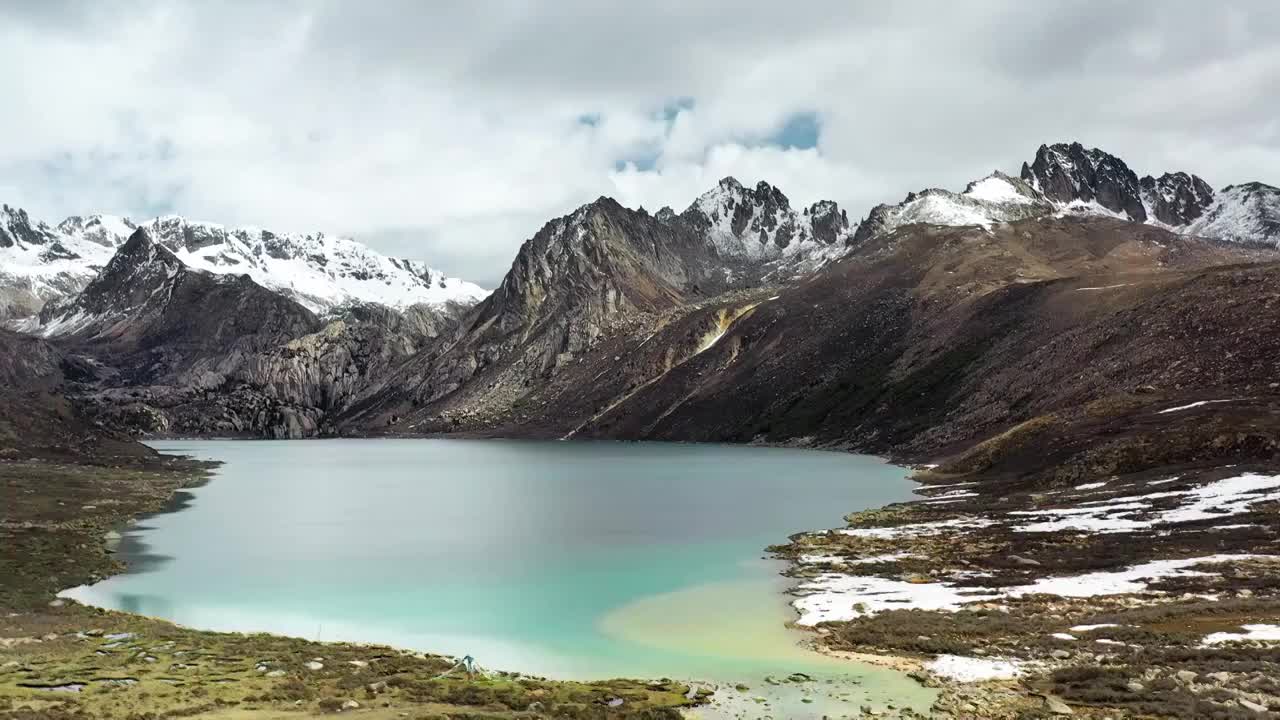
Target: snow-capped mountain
[(1088, 180), (995, 198), (1069, 179), (39, 263), (759, 225), (1247, 213)]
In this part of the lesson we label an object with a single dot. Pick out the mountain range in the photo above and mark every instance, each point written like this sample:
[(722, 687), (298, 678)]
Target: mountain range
[(42, 264), (1075, 345), (739, 318)]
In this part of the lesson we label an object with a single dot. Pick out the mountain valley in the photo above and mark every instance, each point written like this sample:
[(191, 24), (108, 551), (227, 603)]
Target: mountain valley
[(1026, 343)]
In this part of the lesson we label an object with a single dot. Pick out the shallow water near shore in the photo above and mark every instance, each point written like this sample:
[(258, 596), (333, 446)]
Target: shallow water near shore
[(573, 560)]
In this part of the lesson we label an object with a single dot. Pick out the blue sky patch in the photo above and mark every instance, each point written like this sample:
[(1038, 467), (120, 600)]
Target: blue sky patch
[(799, 132)]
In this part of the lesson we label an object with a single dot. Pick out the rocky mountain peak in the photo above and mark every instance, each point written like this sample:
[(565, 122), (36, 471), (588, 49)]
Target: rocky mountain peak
[(828, 221), (729, 183), (1176, 199), (758, 224), (16, 227), (140, 269), (1072, 174), (105, 230)]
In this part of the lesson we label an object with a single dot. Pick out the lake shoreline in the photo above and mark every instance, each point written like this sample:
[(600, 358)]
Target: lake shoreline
[(61, 612), (52, 650)]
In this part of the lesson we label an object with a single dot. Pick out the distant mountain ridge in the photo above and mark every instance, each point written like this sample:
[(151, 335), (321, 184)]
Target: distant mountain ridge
[(40, 263), (194, 328), (1089, 180)]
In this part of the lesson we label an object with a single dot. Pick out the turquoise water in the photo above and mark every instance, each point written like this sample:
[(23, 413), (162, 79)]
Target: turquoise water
[(580, 560)]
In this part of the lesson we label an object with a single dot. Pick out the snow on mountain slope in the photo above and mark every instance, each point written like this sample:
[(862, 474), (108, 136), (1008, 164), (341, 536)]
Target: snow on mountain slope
[(1248, 213), (320, 271), (39, 263), (759, 225), (993, 199)]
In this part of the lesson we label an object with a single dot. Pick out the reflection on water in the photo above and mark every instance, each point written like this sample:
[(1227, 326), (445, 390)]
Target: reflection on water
[(561, 559), (153, 605)]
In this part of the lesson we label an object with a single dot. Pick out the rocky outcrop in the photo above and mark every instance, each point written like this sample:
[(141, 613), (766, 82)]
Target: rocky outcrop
[(37, 416), (330, 369), (1071, 173), (16, 228), (1175, 199), (829, 223)]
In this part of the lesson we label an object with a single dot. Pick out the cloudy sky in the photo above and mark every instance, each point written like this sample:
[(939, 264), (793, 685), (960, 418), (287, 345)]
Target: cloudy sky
[(451, 132)]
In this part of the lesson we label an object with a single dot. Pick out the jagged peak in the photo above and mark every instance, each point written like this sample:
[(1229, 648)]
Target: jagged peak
[(729, 182), (141, 249)]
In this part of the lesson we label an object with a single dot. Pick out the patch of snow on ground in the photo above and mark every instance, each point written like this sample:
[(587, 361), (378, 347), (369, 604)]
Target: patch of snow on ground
[(1130, 580), (1230, 496), (1092, 485), (1098, 518), (1063, 636), (969, 669), (1194, 404), (1087, 628), (917, 529), (1251, 632), (831, 596), (1104, 287), (821, 559)]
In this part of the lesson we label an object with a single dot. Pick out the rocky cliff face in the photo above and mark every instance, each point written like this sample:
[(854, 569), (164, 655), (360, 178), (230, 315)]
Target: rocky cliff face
[(1070, 173), (330, 369), (37, 416), (579, 276), (1175, 199)]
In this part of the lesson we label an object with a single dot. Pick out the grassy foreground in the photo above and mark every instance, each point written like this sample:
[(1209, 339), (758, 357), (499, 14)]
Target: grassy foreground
[(59, 659)]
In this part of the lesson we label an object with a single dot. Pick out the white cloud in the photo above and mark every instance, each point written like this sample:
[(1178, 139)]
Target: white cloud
[(451, 133)]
